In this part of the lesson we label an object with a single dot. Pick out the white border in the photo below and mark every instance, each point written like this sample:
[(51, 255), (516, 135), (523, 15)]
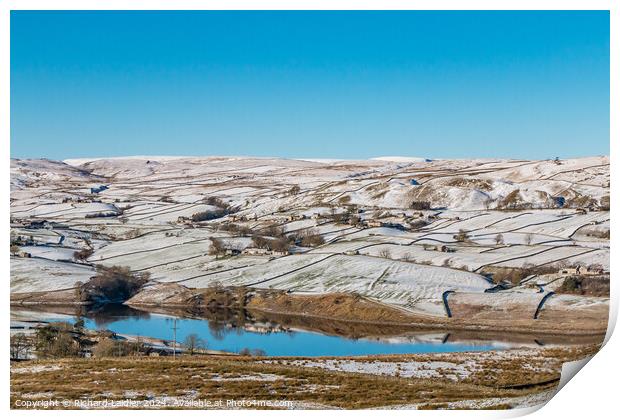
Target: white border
[(593, 395)]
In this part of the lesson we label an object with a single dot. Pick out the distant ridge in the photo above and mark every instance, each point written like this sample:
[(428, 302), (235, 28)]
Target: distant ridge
[(401, 159)]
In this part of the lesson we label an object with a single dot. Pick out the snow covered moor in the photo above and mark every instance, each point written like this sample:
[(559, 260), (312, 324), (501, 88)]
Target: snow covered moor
[(485, 243)]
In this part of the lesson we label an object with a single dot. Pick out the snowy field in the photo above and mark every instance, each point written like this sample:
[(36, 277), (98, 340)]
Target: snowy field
[(402, 249)]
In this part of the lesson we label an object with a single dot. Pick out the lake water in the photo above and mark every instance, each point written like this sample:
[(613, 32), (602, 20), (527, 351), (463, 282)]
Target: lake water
[(278, 342)]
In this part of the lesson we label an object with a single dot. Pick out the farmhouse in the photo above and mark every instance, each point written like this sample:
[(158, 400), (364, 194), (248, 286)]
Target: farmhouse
[(438, 248), (581, 271), (262, 251)]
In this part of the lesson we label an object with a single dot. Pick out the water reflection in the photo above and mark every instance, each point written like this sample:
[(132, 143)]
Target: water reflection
[(284, 335), (102, 315)]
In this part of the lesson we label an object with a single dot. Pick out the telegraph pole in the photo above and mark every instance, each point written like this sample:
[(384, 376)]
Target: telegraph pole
[(174, 341)]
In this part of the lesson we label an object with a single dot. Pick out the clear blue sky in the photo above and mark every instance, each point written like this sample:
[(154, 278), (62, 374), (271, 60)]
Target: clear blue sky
[(310, 84)]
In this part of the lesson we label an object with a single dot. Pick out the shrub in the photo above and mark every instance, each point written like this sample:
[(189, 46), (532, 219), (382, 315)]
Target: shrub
[(83, 254), (604, 203)]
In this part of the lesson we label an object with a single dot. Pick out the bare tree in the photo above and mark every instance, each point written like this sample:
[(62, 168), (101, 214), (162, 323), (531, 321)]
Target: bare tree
[(462, 236), (217, 247), (259, 352), (529, 238), (193, 342), (385, 253), (14, 250), (19, 346)]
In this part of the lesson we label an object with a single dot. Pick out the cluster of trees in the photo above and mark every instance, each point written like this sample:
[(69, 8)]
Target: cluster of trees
[(217, 202), (222, 208), (309, 237), (218, 247), (581, 285), (349, 215), (58, 339), (104, 214), (513, 201), (111, 284), (203, 216), (278, 244), (417, 224), (271, 238), (420, 205), (235, 229), (62, 339)]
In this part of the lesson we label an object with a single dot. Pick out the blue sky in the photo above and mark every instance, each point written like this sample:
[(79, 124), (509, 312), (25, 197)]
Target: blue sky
[(310, 84)]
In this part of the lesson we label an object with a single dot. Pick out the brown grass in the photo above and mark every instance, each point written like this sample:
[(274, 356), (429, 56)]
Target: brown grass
[(112, 377)]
